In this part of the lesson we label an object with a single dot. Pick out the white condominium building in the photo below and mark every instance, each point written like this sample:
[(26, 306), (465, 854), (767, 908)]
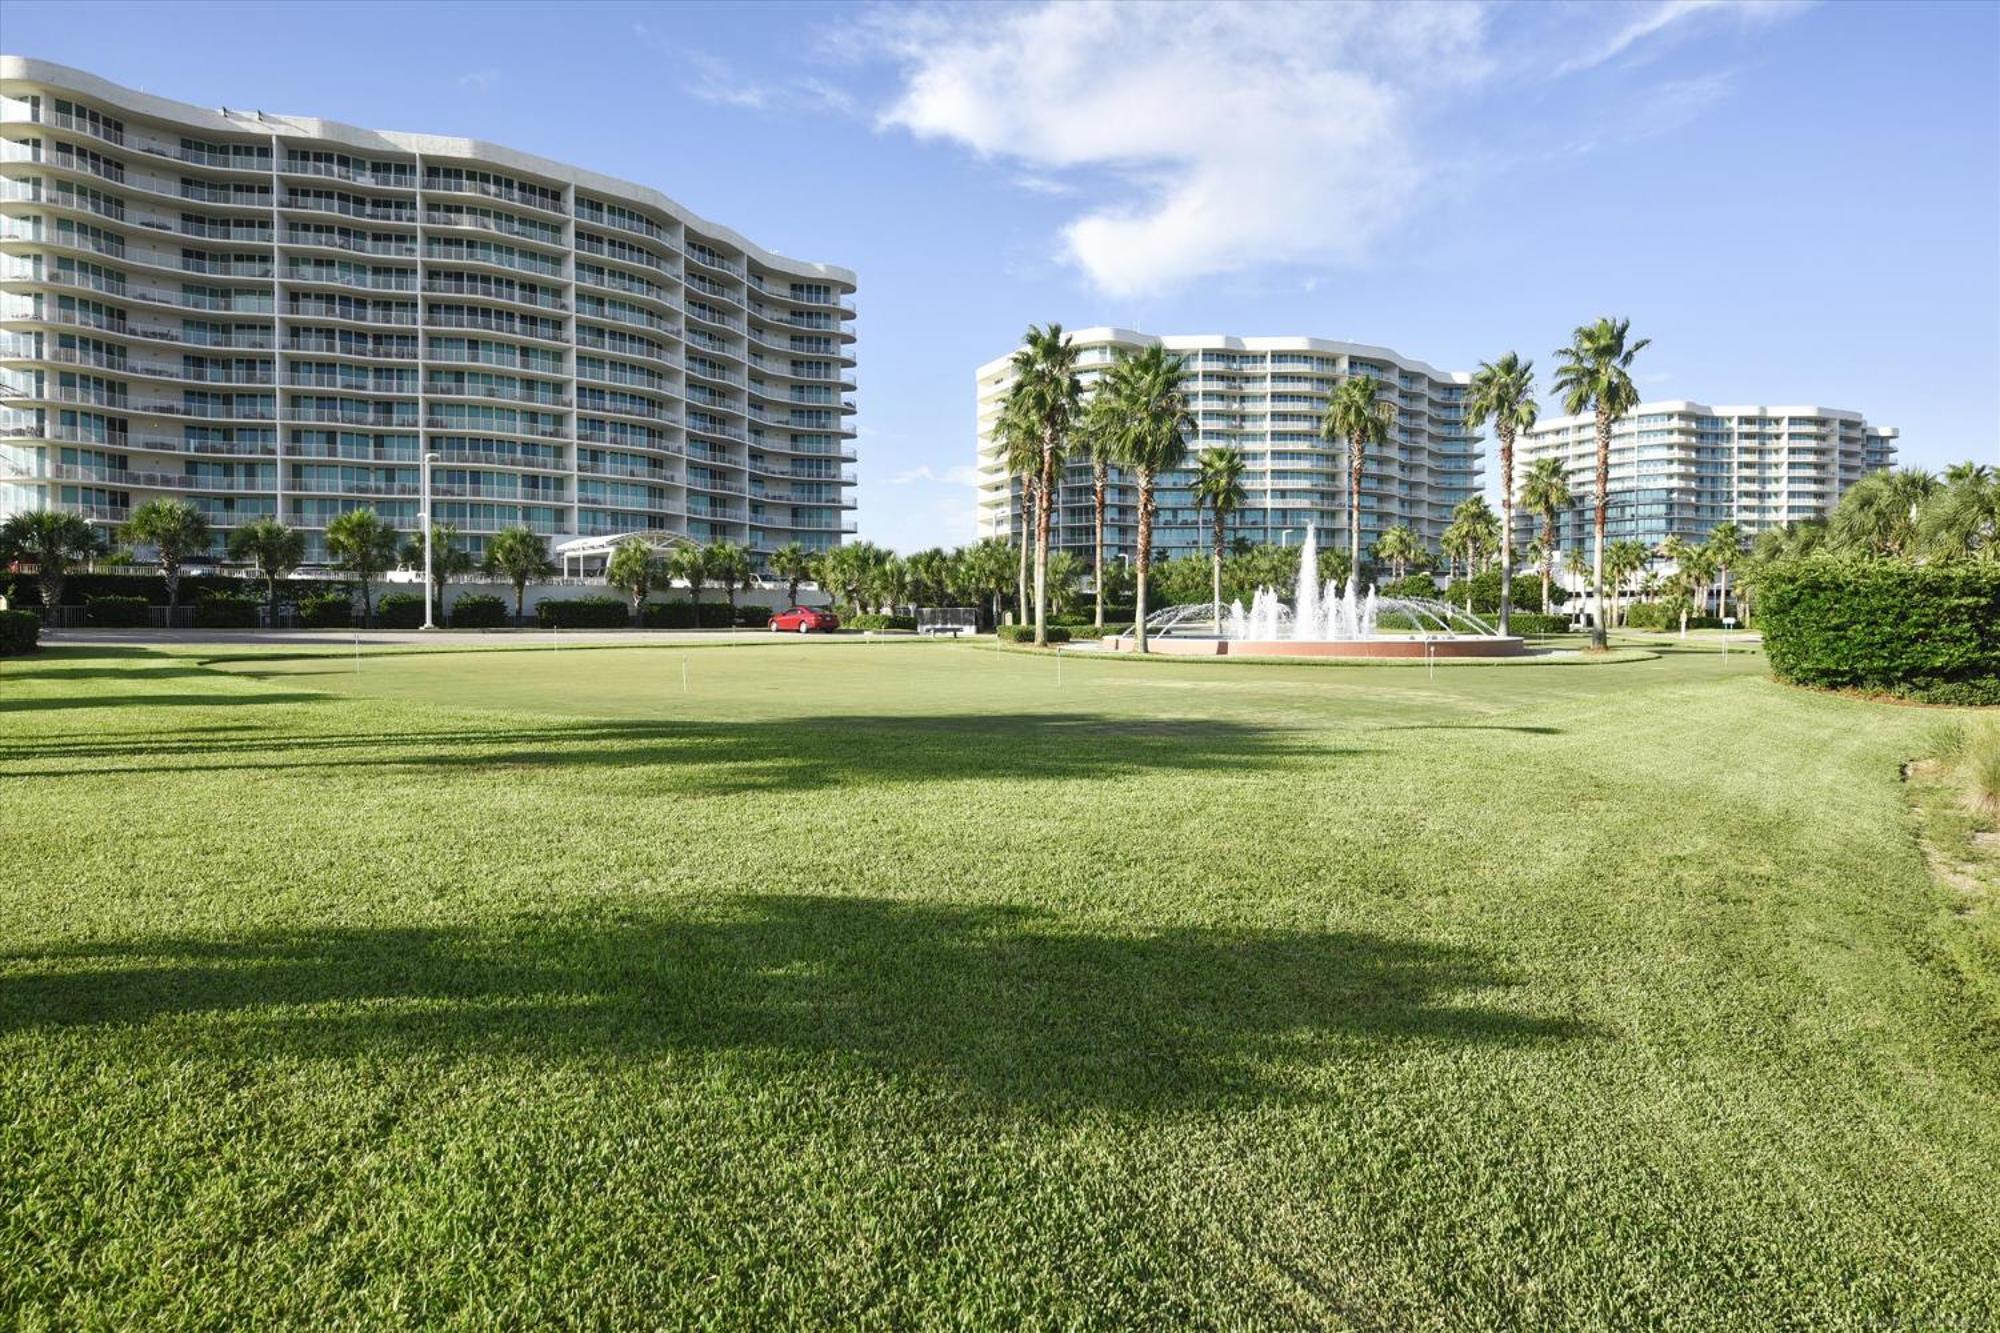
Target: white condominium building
[(1264, 396), (1680, 468), (275, 316)]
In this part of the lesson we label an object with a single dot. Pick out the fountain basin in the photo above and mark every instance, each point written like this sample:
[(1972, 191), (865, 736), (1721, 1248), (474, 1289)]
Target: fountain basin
[(1380, 646)]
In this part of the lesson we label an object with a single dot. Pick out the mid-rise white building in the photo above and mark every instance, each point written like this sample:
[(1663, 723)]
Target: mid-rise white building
[(1264, 396), (1679, 468), (275, 316)]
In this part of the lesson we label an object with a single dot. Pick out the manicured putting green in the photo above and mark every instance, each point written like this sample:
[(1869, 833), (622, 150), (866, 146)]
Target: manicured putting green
[(907, 985)]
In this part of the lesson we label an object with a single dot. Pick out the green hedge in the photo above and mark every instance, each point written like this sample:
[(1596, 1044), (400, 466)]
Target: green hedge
[(875, 622), (400, 610), (1110, 630), (584, 613), (223, 612), (753, 617), (326, 610), (20, 632), (1534, 622), (682, 615), (1026, 633), (478, 610), (1485, 589), (79, 589), (1926, 632), (1662, 616), (1416, 585), (113, 612)]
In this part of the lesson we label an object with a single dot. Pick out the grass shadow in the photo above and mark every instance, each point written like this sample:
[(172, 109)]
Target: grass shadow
[(715, 756), (999, 1000)]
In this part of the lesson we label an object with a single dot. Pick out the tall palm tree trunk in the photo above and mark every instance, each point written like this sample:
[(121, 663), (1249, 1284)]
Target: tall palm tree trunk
[(1145, 545), (1506, 527), (1044, 508), (1600, 634), (1097, 480), (1548, 557), (1215, 572), (1353, 510), (1027, 509)]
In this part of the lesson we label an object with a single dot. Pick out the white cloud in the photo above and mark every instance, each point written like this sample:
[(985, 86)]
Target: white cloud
[(953, 476), (713, 79), (479, 80), (1208, 137)]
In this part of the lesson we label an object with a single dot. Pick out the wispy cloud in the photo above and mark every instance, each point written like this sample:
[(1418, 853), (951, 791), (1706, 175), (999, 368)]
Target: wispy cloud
[(709, 78), (1668, 16), (479, 80)]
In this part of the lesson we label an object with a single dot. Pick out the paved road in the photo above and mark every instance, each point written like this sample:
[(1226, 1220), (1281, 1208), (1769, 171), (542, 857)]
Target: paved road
[(347, 638)]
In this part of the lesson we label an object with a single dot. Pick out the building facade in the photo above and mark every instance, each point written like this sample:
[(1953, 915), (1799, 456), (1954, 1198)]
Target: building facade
[(1264, 396), (272, 316), (1680, 468)]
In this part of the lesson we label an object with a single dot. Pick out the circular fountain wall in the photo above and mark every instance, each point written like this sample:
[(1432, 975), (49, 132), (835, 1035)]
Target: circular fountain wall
[(1323, 621)]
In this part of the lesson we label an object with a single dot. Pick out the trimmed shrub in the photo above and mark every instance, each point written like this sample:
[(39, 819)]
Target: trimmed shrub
[(400, 610), (584, 613), (715, 615), (1485, 589), (478, 611), (20, 632), (753, 617), (326, 610), (1415, 585), (1926, 632), (1111, 629), (1026, 633), (875, 622), (112, 612), (1534, 622), (226, 612), (79, 589), (667, 615)]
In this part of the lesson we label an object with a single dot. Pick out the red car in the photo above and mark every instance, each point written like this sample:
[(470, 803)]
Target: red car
[(804, 620)]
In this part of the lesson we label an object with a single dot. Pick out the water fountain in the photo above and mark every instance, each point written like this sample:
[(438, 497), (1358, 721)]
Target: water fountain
[(1329, 619)]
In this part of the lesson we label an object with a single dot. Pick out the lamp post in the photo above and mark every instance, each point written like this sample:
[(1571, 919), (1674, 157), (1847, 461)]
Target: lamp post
[(426, 517)]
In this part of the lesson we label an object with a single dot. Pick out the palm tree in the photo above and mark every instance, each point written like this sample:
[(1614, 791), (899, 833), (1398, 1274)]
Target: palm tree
[(1355, 414), (274, 549), (1879, 514), (363, 545), (632, 568), (1963, 520), (930, 576), (1097, 439), (1595, 376), (449, 560), (1622, 559), (794, 564), (1723, 549), (53, 542), (1576, 566), (729, 564), (985, 568), (1399, 548), (1021, 455), (1153, 423), (1047, 394), (690, 565), (1503, 392), (520, 557), (177, 531), (1218, 485), (1065, 572), (1546, 491)]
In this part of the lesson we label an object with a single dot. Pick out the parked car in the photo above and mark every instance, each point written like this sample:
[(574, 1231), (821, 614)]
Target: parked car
[(804, 620)]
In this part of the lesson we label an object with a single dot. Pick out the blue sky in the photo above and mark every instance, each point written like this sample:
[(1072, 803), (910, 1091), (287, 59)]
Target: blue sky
[(1798, 203)]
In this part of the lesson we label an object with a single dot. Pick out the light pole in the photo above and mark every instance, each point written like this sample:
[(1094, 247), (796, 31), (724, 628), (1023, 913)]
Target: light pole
[(426, 517)]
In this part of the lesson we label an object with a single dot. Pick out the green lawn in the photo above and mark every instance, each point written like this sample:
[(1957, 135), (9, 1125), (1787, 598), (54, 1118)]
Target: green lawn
[(903, 984)]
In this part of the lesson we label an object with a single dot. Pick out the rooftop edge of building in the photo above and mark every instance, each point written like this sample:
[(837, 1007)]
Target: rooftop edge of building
[(1190, 342), (26, 69)]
